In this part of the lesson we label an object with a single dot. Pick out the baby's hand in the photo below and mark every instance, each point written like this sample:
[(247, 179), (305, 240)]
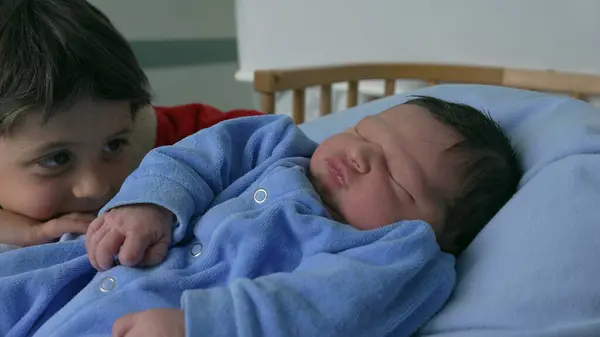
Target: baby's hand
[(151, 323), (139, 234)]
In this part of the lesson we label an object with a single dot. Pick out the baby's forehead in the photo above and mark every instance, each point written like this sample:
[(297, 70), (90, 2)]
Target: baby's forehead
[(415, 123), (435, 146)]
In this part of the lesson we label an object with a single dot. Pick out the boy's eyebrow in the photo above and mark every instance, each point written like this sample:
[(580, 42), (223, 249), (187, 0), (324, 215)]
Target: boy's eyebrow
[(122, 132), (49, 146)]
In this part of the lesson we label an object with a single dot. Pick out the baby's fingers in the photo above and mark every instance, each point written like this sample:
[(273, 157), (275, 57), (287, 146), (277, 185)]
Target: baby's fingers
[(108, 248), (93, 228), (133, 250), (124, 325), (95, 233), (155, 254)]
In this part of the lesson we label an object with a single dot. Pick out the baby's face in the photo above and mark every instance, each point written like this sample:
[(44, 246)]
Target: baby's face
[(74, 163), (390, 167)]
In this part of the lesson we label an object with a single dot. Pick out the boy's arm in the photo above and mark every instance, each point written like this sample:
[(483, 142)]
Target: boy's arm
[(18, 230), (186, 177), (176, 123), (388, 288)]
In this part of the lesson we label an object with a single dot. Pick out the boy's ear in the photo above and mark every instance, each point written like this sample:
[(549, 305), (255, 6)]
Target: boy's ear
[(144, 133)]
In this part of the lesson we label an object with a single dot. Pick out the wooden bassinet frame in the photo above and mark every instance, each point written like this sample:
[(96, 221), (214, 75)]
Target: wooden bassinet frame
[(269, 82)]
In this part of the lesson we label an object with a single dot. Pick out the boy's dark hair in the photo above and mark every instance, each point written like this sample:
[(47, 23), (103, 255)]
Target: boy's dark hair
[(54, 52), (489, 167)]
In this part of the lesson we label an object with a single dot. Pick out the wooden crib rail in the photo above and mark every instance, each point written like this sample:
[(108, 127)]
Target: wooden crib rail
[(269, 82)]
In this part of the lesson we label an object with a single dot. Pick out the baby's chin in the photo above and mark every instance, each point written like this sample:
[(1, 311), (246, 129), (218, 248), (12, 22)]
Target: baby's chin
[(333, 210), (335, 215)]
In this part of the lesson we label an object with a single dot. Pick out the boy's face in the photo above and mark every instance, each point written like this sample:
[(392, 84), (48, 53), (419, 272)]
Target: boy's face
[(75, 162), (391, 166)]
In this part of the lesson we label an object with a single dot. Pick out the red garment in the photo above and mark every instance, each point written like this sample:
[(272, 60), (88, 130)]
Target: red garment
[(178, 122)]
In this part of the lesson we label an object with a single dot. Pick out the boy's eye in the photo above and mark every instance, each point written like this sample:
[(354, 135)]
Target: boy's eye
[(115, 145), (56, 160)]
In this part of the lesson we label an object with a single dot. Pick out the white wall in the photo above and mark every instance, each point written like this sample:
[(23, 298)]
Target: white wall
[(536, 34), (533, 34), (183, 20), (162, 19)]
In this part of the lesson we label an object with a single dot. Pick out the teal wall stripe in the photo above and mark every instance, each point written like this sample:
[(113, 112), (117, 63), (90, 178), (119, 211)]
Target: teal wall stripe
[(189, 52)]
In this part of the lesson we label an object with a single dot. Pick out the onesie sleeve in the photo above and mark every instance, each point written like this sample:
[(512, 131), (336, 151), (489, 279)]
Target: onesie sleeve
[(185, 177), (390, 287)]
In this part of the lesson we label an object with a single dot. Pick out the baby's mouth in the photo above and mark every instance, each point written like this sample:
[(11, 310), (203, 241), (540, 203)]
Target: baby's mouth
[(338, 171)]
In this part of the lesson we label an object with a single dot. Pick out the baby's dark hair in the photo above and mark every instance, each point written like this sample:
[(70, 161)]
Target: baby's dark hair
[(54, 52), (489, 168)]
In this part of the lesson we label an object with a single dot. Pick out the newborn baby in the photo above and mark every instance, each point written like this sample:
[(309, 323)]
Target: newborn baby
[(445, 164)]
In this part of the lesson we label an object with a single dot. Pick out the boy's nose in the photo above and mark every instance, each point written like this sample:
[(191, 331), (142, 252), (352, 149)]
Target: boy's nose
[(92, 186)]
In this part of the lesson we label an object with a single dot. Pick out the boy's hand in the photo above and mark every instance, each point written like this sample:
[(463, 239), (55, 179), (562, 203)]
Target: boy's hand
[(21, 231), (151, 323), (138, 234)]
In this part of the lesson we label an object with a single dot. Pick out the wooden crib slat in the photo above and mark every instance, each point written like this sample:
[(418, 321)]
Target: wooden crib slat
[(390, 87), (298, 109), (325, 99), (352, 93), (267, 102)]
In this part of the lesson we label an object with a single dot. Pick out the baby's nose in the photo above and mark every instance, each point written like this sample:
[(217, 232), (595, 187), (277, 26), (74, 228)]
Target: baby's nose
[(359, 164), (366, 158), (362, 157)]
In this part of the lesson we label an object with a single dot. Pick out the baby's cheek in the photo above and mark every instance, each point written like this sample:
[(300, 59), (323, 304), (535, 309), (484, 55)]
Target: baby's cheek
[(364, 211)]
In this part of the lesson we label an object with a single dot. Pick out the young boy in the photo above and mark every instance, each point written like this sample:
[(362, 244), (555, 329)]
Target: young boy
[(75, 117), (255, 230)]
